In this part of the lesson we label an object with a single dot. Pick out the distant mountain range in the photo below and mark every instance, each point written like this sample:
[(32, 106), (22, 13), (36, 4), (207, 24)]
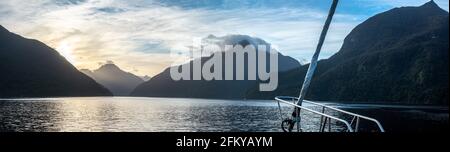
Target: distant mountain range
[(119, 82), (397, 56), (400, 56), (29, 68), (162, 84)]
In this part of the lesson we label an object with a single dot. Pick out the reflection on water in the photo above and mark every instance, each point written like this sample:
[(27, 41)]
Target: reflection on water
[(150, 114), (137, 114)]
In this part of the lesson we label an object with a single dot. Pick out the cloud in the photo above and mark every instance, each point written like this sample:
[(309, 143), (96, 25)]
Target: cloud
[(139, 35)]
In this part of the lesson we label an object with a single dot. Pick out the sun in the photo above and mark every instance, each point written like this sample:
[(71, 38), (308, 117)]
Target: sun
[(66, 50)]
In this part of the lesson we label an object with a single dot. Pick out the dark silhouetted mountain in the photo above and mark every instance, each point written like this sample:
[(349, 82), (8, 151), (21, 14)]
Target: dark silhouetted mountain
[(162, 84), (29, 68), (397, 56), (146, 78), (119, 82)]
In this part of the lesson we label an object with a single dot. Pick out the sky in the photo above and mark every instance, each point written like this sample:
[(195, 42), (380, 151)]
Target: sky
[(138, 35)]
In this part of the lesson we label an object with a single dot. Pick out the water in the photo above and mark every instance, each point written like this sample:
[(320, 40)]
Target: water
[(113, 114)]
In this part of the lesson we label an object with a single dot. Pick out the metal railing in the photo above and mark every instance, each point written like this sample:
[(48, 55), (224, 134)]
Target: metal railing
[(325, 117)]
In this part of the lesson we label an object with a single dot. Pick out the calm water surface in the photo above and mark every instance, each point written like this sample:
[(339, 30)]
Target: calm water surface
[(177, 114)]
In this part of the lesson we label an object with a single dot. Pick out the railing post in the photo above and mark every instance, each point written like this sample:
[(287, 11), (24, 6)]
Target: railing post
[(298, 119), (322, 129), (321, 118), (329, 126), (357, 124)]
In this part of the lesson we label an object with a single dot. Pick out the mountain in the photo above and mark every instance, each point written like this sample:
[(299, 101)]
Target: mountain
[(162, 85), (146, 78), (119, 82), (397, 56), (30, 68)]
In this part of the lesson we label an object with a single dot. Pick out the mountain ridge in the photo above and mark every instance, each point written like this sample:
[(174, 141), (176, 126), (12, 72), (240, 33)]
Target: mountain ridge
[(48, 75), (119, 82), (394, 56), (162, 85)]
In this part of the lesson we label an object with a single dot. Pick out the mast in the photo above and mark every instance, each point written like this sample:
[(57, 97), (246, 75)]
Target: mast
[(313, 64)]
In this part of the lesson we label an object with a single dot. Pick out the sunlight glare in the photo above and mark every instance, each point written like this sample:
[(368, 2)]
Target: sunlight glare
[(65, 50)]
